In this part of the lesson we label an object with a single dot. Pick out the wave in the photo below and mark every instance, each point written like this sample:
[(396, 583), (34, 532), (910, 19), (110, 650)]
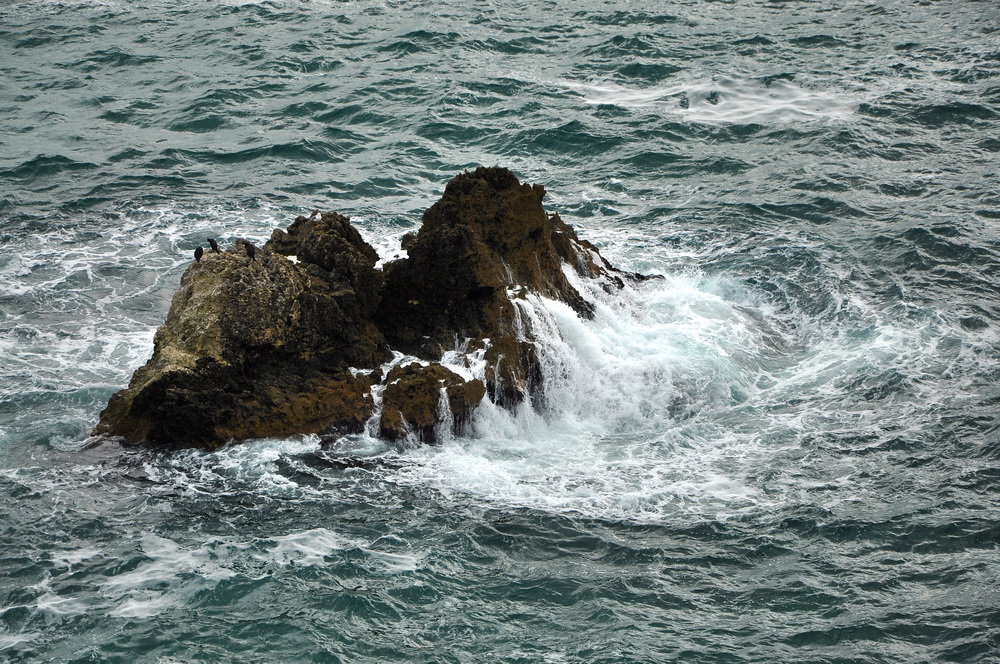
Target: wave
[(42, 166), (725, 99)]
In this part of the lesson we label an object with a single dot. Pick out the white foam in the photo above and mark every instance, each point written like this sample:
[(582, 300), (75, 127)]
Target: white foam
[(145, 604), (610, 440), (254, 461), (76, 556), (308, 547), (725, 99), (679, 397), (11, 640), (166, 560), (57, 605), (170, 572)]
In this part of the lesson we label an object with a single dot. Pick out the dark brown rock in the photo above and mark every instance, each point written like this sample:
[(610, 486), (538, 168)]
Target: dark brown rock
[(411, 403), (251, 348), (488, 236), (216, 403), (334, 247)]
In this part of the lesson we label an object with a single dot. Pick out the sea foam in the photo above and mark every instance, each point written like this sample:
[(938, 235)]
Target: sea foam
[(725, 99)]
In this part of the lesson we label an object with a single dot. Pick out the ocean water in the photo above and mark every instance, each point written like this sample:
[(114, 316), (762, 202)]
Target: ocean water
[(787, 450)]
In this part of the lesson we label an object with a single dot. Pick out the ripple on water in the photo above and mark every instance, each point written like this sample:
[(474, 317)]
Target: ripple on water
[(786, 450)]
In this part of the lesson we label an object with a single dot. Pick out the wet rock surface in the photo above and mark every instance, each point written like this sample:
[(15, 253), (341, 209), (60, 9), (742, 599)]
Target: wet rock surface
[(412, 402), (264, 344), (486, 239)]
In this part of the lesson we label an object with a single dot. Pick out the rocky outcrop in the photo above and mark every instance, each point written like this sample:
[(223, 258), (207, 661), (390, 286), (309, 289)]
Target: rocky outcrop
[(261, 347), (485, 241), (292, 340)]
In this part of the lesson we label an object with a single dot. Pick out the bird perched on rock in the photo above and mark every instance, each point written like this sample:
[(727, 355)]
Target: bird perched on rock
[(313, 215), (251, 250), (198, 253), (214, 245)]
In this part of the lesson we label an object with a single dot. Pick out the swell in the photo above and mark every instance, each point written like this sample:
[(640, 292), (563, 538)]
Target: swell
[(787, 451)]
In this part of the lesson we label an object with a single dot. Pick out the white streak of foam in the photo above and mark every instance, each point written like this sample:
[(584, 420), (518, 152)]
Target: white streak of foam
[(170, 572), (725, 99), (76, 556), (11, 640), (166, 561), (308, 547)]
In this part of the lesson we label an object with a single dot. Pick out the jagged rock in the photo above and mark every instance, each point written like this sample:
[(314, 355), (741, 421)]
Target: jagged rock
[(411, 403), (290, 338), (330, 246), (487, 237), (406, 241), (260, 347)]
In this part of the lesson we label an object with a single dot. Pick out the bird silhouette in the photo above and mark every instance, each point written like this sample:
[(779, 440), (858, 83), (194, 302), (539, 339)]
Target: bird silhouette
[(251, 250), (198, 253), (214, 245)]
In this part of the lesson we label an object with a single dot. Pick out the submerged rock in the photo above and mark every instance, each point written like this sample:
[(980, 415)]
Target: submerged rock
[(292, 339)]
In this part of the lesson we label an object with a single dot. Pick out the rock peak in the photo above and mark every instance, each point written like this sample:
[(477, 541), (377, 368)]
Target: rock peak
[(497, 178)]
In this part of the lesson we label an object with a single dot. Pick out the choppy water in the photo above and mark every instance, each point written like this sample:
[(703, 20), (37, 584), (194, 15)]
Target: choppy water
[(786, 451)]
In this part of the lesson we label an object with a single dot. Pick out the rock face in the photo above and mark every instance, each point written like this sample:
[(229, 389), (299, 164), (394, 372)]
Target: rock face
[(485, 240), (289, 342), (412, 402)]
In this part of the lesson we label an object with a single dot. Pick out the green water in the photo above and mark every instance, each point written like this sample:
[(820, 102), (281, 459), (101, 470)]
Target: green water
[(788, 450)]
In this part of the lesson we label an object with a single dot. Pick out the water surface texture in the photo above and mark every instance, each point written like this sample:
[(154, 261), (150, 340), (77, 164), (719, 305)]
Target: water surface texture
[(787, 450)]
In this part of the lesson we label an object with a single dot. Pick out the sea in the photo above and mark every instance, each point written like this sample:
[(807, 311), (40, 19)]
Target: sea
[(786, 450)]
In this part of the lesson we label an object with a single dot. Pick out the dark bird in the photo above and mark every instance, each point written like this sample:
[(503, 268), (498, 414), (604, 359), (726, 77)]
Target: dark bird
[(251, 250), (214, 245), (198, 253)]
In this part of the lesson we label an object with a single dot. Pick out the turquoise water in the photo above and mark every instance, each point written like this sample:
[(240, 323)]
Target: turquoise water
[(788, 450)]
